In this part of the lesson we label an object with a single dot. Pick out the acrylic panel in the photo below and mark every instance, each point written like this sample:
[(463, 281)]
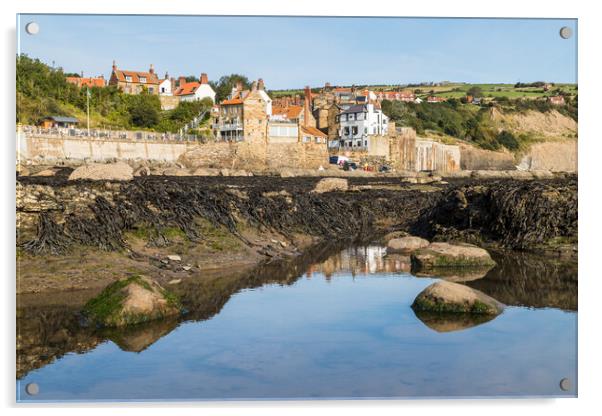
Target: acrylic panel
[(285, 208)]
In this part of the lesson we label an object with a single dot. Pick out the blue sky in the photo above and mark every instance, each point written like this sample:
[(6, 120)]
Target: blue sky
[(292, 52)]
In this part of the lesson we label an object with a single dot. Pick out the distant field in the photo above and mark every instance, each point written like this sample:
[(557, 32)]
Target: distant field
[(459, 90)]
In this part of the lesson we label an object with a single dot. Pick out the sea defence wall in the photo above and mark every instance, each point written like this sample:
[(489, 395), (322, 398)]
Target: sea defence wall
[(44, 147), (241, 155)]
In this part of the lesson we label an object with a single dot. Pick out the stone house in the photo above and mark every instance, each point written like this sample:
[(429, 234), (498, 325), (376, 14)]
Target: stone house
[(243, 116), (134, 82)]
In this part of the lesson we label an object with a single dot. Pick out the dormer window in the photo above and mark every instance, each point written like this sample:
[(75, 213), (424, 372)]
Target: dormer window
[(143, 80), (128, 78)]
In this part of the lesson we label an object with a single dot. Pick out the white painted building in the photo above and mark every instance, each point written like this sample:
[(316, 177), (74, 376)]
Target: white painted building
[(359, 122), (165, 87), (193, 91)]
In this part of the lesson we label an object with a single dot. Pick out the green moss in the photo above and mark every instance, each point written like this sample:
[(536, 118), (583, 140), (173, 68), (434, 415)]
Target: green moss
[(106, 308), (428, 305)]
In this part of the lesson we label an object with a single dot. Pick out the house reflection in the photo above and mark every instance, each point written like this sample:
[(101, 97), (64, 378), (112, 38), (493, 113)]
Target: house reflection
[(360, 261)]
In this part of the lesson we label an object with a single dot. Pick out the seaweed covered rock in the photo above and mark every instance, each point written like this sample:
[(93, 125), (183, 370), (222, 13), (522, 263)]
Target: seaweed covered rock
[(448, 297), (445, 255), (406, 244), (96, 171), (331, 184), (131, 301)]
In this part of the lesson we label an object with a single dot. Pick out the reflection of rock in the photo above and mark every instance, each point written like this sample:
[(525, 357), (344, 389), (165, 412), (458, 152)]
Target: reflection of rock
[(137, 338), (130, 301), (449, 297), (526, 279), (406, 244), (449, 322), (442, 255), (397, 263), (455, 274)]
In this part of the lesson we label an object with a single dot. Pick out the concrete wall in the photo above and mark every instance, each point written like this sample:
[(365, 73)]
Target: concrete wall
[(480, 159), (45, 147), (431, 155), (552, 156)]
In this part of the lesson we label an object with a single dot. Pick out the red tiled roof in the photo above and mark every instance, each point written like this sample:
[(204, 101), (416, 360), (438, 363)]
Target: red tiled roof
[(135, 75), (233, 101), (86, 82), (312, 131), (187, 89), (290, 112)]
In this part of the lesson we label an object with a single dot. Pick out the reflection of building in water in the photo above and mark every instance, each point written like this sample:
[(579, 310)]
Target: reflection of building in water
[(360, 261)]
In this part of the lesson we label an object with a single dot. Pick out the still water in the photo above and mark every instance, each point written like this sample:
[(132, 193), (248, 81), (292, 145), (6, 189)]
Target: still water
[(340, 328)]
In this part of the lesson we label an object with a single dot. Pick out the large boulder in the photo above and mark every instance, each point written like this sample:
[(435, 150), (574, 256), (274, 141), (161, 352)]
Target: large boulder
[(406, 244), (331, 184), (444, 255), (449, 297), (109, 172), (131, 301)]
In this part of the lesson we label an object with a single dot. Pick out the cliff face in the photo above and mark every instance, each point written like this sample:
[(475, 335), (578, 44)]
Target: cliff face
[(546, 125)]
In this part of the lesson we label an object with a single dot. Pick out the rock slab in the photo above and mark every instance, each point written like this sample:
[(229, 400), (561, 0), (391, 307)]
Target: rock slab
[(451, 255), (406, 244), (331, 184), (109, 172)]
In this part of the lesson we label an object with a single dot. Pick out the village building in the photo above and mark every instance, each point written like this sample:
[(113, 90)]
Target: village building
[(557, 100), (295, 123), (196, 90), (166, 86), (435, 99), (326, 111), (405, 96), (359, 123), (134, 82), (244, 114), (87, 82), (59, 122)]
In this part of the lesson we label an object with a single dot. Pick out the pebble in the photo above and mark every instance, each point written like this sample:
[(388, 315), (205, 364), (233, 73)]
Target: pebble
[(187, 267), (174, 257), (174, 281)]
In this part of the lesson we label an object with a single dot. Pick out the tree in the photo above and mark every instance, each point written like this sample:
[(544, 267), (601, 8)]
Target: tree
[(226, 83), (475, 91), (144, 110)]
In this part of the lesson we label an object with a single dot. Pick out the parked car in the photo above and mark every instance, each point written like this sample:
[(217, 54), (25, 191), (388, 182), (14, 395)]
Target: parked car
[(384, 169)]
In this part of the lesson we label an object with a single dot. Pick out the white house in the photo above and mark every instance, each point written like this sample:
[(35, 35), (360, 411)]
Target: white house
[(192, 91), (165, 86), (359, 122)]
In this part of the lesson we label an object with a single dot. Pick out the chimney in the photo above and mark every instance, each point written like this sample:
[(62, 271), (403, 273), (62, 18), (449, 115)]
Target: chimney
[(238, 86), (181, 81), (307, 106), (151, 70), (254, 86), (204, 79), (260, 84), (82, 74), (166, 75), (327, 85), (114, 65)]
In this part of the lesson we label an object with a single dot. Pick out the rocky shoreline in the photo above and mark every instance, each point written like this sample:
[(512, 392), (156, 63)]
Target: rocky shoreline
[(216, 223)]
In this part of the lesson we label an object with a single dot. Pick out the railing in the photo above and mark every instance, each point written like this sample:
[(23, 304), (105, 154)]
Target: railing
[(104, 134), (227, 126)]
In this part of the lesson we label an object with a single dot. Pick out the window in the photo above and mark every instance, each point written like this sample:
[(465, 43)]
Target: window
[(354, 130), (346, 131), (143, 80), (306, 139), (128, 78), (366, 143), (350, 116), (365, 130)]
